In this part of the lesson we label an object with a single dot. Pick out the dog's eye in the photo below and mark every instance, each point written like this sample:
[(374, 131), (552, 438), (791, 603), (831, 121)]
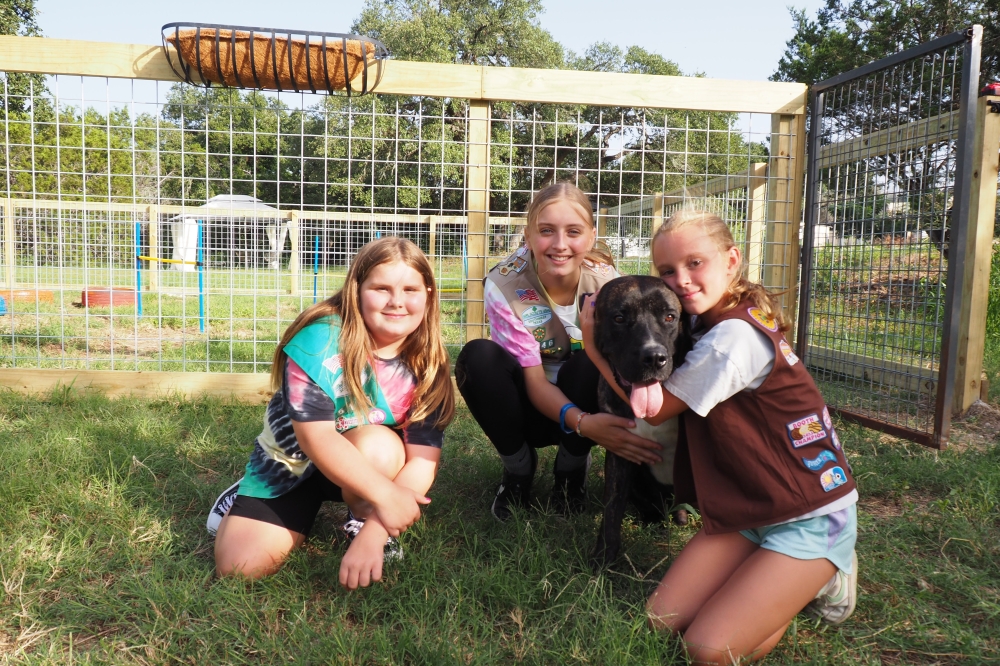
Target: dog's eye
[(619, 319), (669, 318)]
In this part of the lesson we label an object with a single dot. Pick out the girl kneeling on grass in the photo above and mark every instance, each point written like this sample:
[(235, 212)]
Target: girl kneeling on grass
[(762, 459), (362, 396)]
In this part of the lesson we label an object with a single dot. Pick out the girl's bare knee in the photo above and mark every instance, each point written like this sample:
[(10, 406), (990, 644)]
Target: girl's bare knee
[(661, 617), (380, 446)]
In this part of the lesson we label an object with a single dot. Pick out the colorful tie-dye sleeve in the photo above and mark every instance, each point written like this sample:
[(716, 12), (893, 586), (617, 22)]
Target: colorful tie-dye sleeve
[(507, 330)]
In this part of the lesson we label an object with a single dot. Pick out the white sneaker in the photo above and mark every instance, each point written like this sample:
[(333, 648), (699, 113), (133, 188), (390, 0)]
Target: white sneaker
[(393, 552), (223, 503), (836, 601)]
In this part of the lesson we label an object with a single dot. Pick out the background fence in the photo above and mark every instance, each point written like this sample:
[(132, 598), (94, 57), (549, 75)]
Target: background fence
[(267, 196), (898, 177)]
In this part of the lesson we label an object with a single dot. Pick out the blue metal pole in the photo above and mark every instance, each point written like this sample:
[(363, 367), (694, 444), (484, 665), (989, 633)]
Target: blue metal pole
[(201, 281), (138, 271), (315, 268)]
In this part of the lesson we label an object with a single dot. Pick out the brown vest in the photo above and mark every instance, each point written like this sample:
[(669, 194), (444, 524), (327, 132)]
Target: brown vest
[(516, 278), (763, 456)]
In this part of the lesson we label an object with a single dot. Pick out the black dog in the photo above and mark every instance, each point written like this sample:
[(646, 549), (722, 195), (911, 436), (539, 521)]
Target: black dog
[(637, 326)]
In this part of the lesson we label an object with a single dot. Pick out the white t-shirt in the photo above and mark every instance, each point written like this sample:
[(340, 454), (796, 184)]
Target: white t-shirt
[(730, 357)]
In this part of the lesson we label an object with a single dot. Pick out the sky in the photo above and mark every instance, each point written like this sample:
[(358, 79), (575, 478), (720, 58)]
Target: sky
[(724, 39)]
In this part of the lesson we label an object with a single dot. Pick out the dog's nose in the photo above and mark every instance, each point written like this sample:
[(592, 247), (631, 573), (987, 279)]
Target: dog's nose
[(655, 359)]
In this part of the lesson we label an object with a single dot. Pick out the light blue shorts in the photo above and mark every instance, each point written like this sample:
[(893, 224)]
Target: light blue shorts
[(831, 536)]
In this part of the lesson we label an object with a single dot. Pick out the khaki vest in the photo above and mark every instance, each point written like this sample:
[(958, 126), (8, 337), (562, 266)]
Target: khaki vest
[(763, 456), (516, 278)]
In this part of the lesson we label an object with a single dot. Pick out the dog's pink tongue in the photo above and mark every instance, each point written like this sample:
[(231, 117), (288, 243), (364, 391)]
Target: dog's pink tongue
[(646, 400)]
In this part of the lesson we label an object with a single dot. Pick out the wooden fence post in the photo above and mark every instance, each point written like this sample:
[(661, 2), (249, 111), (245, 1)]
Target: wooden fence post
[(432, 232), (153, 274), (785, 175), (295, 260), (477, 207), (10, 256), (753, 244), (978, 253), (602, 223)]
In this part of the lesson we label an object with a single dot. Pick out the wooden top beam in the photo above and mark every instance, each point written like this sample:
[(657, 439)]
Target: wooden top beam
[(43, 55), (893, 140)]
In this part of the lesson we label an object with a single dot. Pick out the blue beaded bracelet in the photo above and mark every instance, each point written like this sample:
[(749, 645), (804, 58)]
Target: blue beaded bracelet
[(562, 417)]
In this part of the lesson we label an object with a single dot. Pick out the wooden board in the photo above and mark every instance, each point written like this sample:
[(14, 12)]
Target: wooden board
[(879, 371), (978, 252), (477, 205), (893, 140), (396, 77), (244, 386)]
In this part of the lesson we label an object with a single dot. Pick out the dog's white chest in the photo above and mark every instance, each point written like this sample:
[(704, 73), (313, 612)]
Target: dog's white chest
[(664, 434)]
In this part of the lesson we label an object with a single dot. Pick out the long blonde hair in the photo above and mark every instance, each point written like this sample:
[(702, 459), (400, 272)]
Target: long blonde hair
[(718, 231), (564, 191), (423, 350)]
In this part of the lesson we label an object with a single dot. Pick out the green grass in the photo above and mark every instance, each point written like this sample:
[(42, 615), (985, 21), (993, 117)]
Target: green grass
[(104, 557)]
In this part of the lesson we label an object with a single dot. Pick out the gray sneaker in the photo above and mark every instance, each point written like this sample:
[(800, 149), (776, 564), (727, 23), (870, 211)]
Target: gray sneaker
[(392, 552), (220, 509), (836, 601)]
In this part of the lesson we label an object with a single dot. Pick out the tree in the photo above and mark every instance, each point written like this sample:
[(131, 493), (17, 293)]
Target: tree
[(19, 17), (850, 33)]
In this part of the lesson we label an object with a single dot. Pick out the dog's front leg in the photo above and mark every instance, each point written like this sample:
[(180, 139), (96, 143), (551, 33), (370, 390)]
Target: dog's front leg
[(618, 475)]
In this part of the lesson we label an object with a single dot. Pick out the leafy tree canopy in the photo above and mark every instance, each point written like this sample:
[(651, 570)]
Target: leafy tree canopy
[(19, 17), (474, 32), (850, 33)]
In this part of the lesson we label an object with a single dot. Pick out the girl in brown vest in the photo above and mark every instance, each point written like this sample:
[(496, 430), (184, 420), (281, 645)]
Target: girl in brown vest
[(528, 386), (762, 462)]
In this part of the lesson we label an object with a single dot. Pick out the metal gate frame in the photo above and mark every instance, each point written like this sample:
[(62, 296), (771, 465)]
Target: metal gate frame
[(960, 222)]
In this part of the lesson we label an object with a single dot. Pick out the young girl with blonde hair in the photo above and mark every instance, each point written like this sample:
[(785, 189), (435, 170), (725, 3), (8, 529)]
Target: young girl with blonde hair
[(362, 396), (762, 461), (529, 386)]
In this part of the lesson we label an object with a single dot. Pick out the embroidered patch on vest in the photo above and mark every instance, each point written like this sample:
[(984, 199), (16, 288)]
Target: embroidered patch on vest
[(340, 387), (527, 295), (787, 351), (806, 430), (836, 440), (832, 478), (539, 333), (816, 464), (826, 418), (333, 363), (767, 322), (346, 423), (376, 416), (547, 344), (536, 315)]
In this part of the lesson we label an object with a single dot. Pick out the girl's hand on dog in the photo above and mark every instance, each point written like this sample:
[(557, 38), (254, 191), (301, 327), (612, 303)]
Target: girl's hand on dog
[(362, 563), (398, 508), (612, 433)]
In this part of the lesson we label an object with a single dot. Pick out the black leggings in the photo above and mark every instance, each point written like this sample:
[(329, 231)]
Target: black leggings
[(492, 383)]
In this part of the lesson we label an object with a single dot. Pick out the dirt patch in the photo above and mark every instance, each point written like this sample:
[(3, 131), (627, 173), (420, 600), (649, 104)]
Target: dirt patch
[(895, 506), (978, 429)]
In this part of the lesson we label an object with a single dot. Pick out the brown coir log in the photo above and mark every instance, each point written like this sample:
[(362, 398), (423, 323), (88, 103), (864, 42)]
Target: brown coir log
[(272, 64), (105, 297)]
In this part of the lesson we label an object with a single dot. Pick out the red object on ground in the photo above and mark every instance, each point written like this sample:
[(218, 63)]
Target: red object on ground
[(104, 297), (27, 295), (990, 89)]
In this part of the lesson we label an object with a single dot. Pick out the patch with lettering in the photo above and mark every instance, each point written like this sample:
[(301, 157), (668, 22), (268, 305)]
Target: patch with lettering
[(376, 416), (787, 351), (827, 421), (832, 478), (816, 464), (767, 322), (539, 333), (547, 344), (347, 423), (333, 363), (536, 315), (806, 430), (526, 295)]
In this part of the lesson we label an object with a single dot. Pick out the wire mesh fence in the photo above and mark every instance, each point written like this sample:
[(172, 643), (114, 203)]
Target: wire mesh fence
[(222, 213), (885, 168)]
